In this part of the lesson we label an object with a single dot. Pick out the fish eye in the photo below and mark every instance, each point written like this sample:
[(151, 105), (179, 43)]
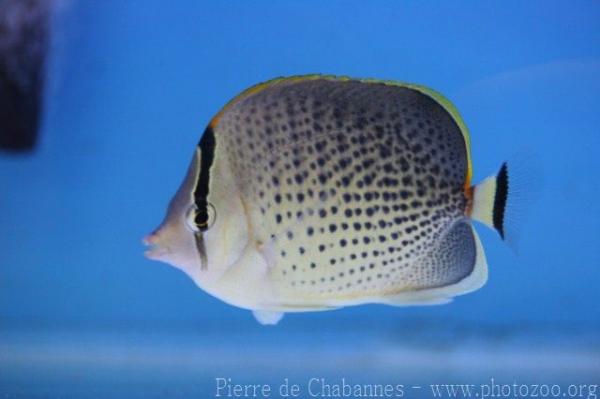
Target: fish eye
[(212, 216), (198, 219)]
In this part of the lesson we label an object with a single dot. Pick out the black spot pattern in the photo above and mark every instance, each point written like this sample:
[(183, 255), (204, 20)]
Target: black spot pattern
[(361, 179)]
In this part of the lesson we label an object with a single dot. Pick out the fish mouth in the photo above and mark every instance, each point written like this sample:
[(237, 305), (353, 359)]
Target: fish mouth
[(155, 251)]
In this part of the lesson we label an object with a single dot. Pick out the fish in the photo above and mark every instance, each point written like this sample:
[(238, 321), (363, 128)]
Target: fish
[(317, 192)]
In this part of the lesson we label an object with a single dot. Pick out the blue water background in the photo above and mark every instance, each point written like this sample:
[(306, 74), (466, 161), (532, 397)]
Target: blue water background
[(131, 86)]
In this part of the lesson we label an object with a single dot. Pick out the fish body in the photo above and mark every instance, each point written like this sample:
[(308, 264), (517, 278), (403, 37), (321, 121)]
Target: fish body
[(318, 192)]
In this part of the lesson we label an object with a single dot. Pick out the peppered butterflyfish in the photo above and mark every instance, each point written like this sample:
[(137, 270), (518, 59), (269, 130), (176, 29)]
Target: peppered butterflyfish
[(317, 192)]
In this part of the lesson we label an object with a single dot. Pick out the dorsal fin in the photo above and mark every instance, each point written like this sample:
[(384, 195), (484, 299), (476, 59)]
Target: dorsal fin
[(435, 95)]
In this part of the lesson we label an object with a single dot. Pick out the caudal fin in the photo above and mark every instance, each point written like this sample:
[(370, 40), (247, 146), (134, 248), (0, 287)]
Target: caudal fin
[(501, 201)]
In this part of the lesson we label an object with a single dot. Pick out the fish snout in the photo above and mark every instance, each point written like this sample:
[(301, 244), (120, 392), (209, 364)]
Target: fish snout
[(157, 250)]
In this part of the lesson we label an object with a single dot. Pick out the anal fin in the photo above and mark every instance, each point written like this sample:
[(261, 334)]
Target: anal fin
[(417, 300), (463, 262)]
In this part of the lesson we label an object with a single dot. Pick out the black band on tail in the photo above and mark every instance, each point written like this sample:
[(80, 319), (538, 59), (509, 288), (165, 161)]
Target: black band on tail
[(500, 199)]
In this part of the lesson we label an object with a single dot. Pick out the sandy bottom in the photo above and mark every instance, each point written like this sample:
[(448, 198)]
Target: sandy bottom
[(189, 364)]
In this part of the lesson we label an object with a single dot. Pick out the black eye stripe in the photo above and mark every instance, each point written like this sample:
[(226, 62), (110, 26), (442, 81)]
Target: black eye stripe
[(201, 218), (207, 151)]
